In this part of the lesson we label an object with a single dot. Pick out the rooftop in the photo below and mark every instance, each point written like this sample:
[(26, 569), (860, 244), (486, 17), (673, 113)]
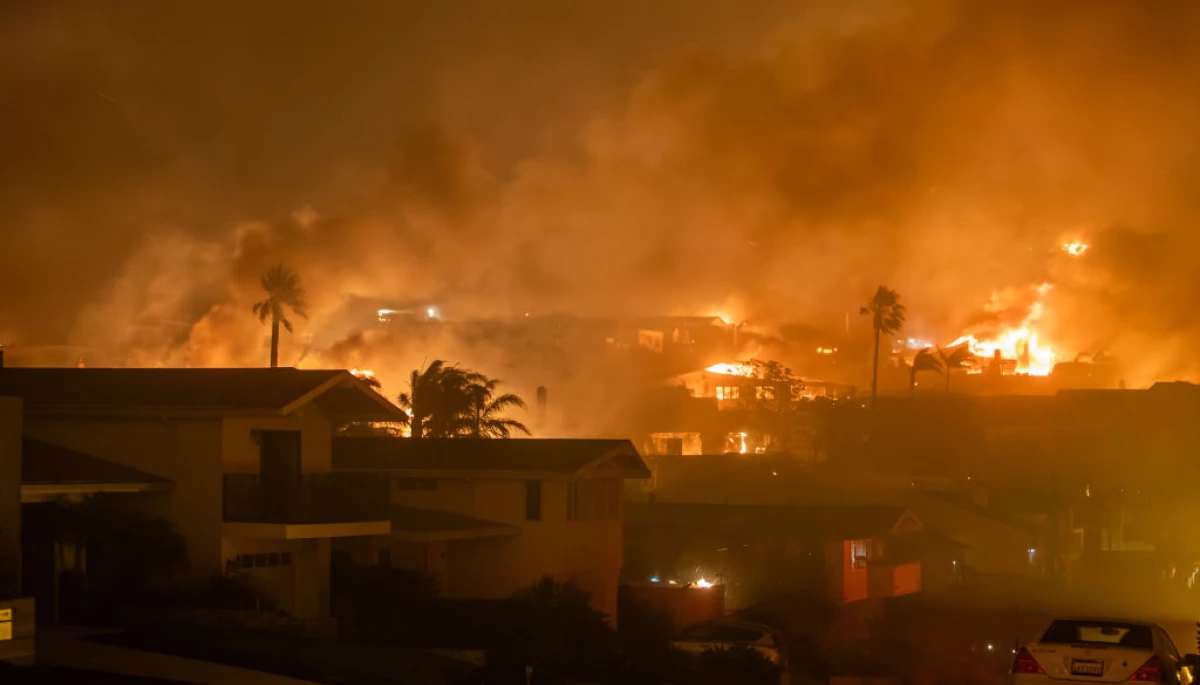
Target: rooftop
[(43, 463), (194, 391), (514, 458)]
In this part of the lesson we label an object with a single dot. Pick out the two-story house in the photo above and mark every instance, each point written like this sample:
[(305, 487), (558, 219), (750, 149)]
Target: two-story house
[(490, 517), (239, 460)]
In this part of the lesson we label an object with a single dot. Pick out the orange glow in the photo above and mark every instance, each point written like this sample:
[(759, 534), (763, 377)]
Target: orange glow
[(1019, 343), (1075, 249), (364, 374), (704, 583)]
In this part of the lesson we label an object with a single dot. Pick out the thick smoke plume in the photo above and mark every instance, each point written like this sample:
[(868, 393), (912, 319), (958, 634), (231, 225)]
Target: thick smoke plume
[(782, 161)]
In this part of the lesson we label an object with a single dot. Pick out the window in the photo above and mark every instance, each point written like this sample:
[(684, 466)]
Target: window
[(594, 499), (727, 392), (859, 553), (533, 500), (1099, 632)]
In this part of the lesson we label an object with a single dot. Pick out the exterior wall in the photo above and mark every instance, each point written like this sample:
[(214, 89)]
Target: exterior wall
[(588, 553), (239, 449), (994, 547), (186, 451), (10, 493)]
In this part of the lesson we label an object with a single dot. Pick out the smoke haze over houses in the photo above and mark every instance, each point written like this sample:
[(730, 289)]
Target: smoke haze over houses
[(689, 157)]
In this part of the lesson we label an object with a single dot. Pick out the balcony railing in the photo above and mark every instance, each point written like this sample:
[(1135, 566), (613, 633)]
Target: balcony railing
[(308, 498)]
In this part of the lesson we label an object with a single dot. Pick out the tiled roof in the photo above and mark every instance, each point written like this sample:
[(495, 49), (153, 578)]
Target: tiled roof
[(518, 457), (43, 463)]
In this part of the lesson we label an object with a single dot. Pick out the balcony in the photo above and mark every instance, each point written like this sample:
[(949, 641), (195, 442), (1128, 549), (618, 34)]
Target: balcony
[(315, 505), (893, 580)]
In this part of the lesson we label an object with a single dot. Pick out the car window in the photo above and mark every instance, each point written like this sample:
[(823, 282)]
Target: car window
[(1099, 632)]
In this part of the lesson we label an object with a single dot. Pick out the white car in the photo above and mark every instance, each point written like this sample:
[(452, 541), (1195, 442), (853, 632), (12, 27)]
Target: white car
[(1103, 651), (727, 633)]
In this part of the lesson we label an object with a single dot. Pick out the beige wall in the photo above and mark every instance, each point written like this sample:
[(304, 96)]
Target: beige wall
[(587, 552), (188, 452), (239, 449), (301, 588)]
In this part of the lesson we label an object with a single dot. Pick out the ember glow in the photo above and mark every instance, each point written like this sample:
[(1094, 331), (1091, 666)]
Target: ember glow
[(1075, 249)]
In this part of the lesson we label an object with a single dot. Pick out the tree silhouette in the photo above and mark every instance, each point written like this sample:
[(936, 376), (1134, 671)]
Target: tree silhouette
[(437, 401), (283, 290), (957, 358), (926, 360), (486, 418), (887, 317), (447, 401)]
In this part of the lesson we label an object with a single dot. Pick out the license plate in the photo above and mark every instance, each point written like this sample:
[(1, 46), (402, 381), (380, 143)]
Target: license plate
[(1084, 667)]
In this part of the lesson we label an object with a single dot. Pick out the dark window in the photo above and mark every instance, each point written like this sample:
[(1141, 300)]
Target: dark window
[(246, 561), (533, 500), (1099, 632), (260, 560), (285, 558), (273, 559)]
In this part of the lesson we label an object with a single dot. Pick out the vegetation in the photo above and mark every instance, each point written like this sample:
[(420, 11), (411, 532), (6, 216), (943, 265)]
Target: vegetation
[(887, 317), (486, 408), (926, 360), (283, 289), (956, 358), (447, 401)]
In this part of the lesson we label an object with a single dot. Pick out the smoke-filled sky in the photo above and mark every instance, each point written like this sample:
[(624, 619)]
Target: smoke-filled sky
[(777, 158)]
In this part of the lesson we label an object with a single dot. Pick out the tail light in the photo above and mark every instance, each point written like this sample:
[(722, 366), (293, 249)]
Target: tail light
[(1025, 663), (1150, 672)]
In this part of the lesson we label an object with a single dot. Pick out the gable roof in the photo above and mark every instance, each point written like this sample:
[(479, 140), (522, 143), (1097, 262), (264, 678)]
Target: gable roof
[(830, 522), (472, 457), (193, 391), (43, 463)]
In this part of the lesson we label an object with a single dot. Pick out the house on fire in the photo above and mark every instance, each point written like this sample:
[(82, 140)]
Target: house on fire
[(487, 518)]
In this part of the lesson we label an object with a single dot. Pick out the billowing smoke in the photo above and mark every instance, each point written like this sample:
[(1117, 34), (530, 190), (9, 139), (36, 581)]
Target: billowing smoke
[(783, 161)]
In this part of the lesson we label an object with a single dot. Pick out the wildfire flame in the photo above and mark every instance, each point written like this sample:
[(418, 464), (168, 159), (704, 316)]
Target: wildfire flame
[(365, 374), (1018, 343), (1075, 249), (724, 369), (704, 583)]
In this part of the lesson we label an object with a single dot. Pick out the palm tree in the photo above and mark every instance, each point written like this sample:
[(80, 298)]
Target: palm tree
[(486, 408), (887, 317), (283, 290), (438, 400), (926, 360), (958, 358)]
